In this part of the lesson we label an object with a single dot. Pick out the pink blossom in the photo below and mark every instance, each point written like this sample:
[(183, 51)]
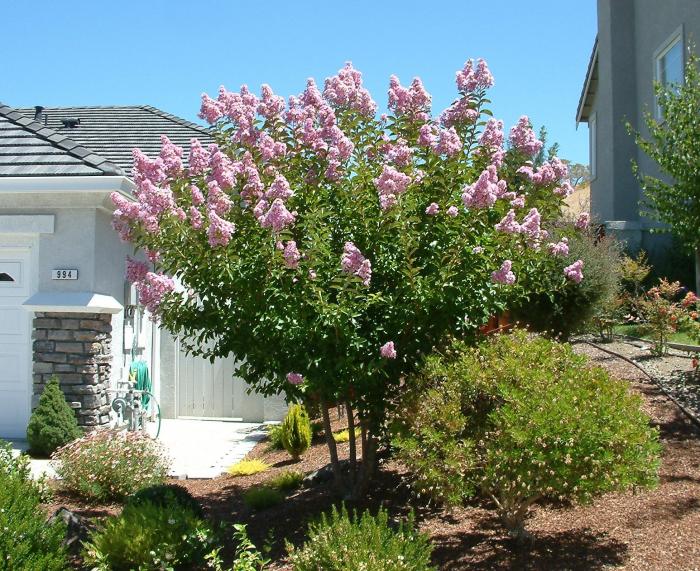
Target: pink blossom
[(197, 196), (196, 218), (492, 136), (223, 171), (354, 263), (217, 200), (279, 189), (584, 219), (220, 230), (461, 112), (390, 184), (574, 272), (485, 191), (544, 175), (295, 378), (388, 351), (171, 155), (561, 248), (504, 275), (470, 79), (564, 190), (136, 270), (210, 110), (291, 254), (448, 142), (145, 169), (414, 101), (345, 90), (269, 148), (518, 201), (427, 136), (241, 108), (198, 159), (531, 224), (398, 153), (452, 211), (509, 224), (432, 209), (523, 137), (277, 217), (561, 171), (271, 106), (152, 289)]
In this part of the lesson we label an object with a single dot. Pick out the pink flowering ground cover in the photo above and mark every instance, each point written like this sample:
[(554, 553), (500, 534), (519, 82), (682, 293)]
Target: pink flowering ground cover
[(330, 247)]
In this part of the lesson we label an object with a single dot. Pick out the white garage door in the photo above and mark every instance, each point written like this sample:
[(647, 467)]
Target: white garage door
[(204, 389), (15, 343)]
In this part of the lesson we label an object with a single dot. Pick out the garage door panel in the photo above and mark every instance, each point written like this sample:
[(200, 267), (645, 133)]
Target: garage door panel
[(13, 321)]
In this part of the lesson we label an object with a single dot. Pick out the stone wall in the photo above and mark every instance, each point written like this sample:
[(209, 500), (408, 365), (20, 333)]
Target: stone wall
[(76, 348)]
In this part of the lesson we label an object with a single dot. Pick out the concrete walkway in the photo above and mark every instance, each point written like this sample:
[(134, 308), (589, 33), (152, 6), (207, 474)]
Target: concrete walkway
[(197, 448)]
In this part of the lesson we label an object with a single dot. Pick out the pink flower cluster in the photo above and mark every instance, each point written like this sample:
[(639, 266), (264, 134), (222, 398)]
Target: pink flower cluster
[(198, 159), (354, 263), (560, 248), (492, 136), (398, 153), (485, 191), (390, 184), (432, 209), (574, 272), (531, 225), (291, 254), (551, 171), (461, 112), (452, 211), (564, 190), (295, 378), (583, 220), (345, 90), (150, 286), (220, 230), (388, 351), (470, 77), (509, 225), (504, 274), (523, 137), (413, 102), (441, 141)]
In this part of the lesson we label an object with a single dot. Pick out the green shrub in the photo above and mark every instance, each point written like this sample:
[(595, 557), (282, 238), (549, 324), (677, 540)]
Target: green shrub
[(53, 423), (565, 311), (339, 542), (521, 418), (164, 495), (286, 481), (110, 465), (344, 435), (274, 436), (247, 467), (149, 537), (262, 497), (296, 431), (247, 557), (27, 542)]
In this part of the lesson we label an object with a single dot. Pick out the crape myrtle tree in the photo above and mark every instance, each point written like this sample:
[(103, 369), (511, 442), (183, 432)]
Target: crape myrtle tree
[(329, 248), (674, 144)]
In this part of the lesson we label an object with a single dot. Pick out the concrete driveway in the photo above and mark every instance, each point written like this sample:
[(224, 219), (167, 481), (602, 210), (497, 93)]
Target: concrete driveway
[(197, 448)]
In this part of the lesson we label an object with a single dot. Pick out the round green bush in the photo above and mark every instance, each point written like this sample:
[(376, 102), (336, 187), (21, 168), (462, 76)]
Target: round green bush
[(149, 537), (340, 542), (110, 465), (165, 495), (263, 497), (53, 423), (296, 431), (521, 418), (27, 541)]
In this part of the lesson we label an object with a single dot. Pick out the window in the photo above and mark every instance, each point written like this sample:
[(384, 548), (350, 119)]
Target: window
[(6, 277), (669, 62), (592, 136)]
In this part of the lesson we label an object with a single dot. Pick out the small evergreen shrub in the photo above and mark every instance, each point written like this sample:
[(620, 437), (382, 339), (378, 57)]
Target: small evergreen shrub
[(247, 467), (296, 431), (53, 423), (110, 465), (164, 495), (147, 536), (521, 418), (286, 481), (340, 542), (274, 436), (27, 541), (262, 497)]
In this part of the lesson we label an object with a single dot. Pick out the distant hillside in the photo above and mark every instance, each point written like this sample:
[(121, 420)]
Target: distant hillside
[(579, 201)]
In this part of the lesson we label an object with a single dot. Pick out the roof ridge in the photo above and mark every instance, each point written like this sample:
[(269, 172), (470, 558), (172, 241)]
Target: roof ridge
[(176, 119), (87, 156)]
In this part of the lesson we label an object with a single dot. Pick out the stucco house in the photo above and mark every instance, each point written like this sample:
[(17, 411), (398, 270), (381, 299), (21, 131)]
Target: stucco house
[(638, 42), (65, 308)]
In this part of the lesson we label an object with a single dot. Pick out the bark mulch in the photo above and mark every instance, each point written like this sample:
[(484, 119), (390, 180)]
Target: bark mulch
[(649, 530)]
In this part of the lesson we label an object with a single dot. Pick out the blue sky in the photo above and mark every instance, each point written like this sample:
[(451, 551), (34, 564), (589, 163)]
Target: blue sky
[(166, 53)]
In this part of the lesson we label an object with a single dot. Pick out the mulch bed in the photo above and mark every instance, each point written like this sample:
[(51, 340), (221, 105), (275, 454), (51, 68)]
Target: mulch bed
[(649, 530)]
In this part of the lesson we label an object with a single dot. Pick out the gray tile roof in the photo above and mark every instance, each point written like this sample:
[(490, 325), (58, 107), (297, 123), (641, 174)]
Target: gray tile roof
[(28, 148), (113, 132)]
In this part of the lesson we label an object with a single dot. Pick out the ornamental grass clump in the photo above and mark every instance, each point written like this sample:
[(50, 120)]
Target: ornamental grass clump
[(330, 247), (521, 418), (343, 542), (296, 431), (110, 465), (53, 423), (247, 467)]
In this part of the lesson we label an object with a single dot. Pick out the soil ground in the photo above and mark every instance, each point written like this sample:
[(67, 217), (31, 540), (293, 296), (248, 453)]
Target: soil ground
[(648, 530)]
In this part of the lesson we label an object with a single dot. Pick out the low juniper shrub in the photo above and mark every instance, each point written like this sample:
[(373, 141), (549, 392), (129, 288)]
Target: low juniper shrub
[(521, 418), (164, 495), (110, 465), (343, 542)]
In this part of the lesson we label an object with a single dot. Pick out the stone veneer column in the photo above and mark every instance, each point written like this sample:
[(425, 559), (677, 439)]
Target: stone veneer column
[(76, 348)]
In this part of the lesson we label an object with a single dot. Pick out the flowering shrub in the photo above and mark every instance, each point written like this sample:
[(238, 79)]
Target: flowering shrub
[(340, 542), (150, 537), (110, 465), (521, 418), (661, 313), (328, 248)]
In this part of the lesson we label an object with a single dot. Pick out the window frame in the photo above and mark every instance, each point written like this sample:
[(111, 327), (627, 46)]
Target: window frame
[(676, 37)]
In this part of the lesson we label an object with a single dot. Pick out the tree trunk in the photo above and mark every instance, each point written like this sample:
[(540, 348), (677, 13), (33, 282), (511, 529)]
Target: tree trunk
[(332, 448), (352, 443), (697, 270)]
